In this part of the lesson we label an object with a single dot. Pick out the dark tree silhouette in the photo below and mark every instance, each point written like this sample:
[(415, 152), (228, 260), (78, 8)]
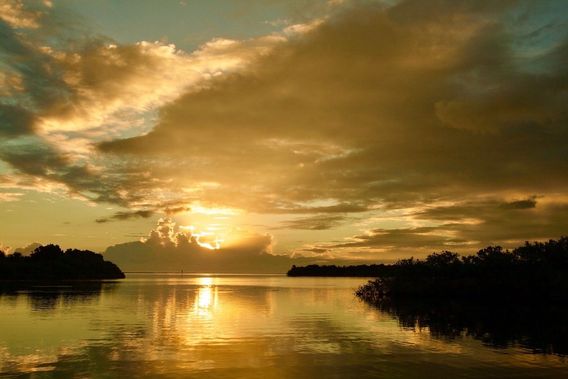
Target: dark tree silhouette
[(534, 270), (443, 259), (500, 297), (51, 263), (537, 270), (333, 270)]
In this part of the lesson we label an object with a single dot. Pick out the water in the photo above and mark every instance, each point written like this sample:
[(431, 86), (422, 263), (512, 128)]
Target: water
[(168, 326)]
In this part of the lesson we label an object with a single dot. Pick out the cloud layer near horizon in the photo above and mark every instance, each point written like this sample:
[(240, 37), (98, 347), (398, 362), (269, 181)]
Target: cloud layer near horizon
[(424, 125), (170, 248)]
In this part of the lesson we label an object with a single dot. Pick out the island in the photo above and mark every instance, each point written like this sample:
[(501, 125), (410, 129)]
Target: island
[(51, 263), (536, 271)]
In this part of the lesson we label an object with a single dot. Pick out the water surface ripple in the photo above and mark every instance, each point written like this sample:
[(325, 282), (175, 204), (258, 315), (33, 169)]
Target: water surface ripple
[(240, 326)]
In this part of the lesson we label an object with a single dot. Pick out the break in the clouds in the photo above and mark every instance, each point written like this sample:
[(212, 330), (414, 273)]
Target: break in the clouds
[(372, 129)]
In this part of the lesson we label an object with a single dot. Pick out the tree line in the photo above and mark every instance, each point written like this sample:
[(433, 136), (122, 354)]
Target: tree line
[(534, 271), (50, 262)]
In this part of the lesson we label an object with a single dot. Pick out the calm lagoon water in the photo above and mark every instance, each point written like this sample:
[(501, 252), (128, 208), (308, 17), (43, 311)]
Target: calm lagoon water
[(219, 326)]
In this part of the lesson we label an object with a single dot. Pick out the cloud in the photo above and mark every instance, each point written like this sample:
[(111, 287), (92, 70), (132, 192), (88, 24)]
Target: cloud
[(402, 238), (317, 222), (506, 223), (121, 216), (5, 249), (65, 89), (31, 157), (463, 227), (15, 121), (295, 208), (315, 250), (374, 129), (27, 250), (382, 108), (10, 196), (171, 248), (481, 208), (18, 15), (446, 115), (521, 204), (176, 209)]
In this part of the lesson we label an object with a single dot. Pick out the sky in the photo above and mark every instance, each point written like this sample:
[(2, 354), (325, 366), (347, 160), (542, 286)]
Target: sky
[(328, 129)]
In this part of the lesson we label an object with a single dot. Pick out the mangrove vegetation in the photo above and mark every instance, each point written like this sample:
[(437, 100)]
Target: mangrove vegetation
[(534, 271)]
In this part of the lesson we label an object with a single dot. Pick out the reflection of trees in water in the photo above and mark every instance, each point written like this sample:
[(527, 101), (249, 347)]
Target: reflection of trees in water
[(175, 329), (180, 339), (46, 297), (174, 332), (539, 327)]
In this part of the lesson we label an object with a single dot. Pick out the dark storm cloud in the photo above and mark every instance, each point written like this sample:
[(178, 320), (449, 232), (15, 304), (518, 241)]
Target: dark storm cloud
[(15, 121)]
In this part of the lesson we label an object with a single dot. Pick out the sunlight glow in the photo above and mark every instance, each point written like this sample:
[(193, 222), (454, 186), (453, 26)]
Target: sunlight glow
[(206, 239), (213, 211), (206, 299)]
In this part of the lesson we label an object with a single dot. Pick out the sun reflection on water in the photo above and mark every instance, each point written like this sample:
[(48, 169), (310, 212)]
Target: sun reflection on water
[(206, 298), (211, 326)]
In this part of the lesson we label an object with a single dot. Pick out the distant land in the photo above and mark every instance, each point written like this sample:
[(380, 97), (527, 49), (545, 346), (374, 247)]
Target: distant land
[(50, 263), (534, 271)]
